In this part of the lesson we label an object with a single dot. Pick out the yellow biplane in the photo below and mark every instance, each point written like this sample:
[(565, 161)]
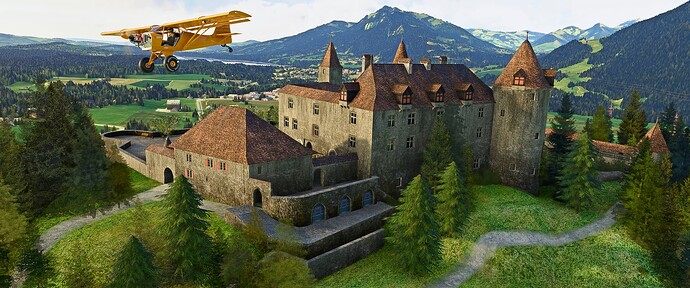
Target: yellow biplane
[(164, 40)]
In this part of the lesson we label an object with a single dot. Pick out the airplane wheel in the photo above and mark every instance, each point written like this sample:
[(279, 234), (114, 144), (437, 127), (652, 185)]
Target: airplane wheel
[(171, 63), (229, 49), (144, 68)]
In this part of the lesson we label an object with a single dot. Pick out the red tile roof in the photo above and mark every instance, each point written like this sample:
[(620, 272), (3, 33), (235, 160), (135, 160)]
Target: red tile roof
[(656, 139), (330, 58), (379, 85), (401, 53), (606, 147), (238, 135), (526, 60), (160, 150)]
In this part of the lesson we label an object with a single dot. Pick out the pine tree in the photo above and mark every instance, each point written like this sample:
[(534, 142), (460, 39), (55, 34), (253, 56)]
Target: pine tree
[(11, 166), (561, 138), (667, 120), (90, 172), (601, 126), (413, 230), (679, 145), (12, 232), (454, 202), (48, 155), (633, 126), (563, 126), (643, 193), (437, 153), (184, 226), (577, 177), (134, 267)]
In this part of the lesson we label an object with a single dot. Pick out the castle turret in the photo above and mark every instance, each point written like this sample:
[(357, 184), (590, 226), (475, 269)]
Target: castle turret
[(330, 70), (401, 53), (522, 93)]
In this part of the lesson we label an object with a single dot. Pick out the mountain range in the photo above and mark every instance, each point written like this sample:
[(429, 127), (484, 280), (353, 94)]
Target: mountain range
[(546, 42), (651, 56)]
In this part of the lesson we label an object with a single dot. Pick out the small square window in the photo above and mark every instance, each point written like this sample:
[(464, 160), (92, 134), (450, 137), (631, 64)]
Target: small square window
[(479, 132), (519, 81), (439, 113), (513, 167), (316, 109), (468, 95), (503, 112), (291, 103), (410, 142), (410, 118), (189, 157), (391, 145), (481, 112), (534, 171), (353, 142), (400, 182), (294, 123), (536, 135), (209, 162), (353, 118), (315, 130), (476, 163), (286, 121), (439, 97), (391, 120), (343, 95), (258, 169), (223, 166)]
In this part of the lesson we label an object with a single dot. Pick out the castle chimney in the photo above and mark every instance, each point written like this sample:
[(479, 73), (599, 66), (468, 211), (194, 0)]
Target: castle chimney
[(444, 59), (407, 62), (426, 62), (367, 59)]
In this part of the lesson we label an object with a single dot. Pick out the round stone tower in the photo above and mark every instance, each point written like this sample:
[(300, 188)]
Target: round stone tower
[(522, 93)]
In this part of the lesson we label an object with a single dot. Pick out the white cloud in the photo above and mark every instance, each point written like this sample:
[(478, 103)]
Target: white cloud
[(280, 18)]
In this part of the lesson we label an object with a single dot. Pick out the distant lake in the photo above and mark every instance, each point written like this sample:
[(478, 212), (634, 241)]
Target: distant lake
[(245, 62)]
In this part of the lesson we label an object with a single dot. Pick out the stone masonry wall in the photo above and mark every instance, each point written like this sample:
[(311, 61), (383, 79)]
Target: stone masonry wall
[(156, 165), (287, 176), (346, 255), (518, 135), (297, 208)]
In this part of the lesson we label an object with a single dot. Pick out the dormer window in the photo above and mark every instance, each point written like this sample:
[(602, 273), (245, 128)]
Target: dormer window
[(348, 91), (407, 98), (519, 78), (403, 93), (436, 93), (469, 94)]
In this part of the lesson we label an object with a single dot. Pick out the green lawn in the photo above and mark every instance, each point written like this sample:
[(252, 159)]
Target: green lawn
[(120, 114), (169, 77), (596, 45), (572, 75), (66, 207), (609, 259), (22, 87), (497, 208), (147, 83)]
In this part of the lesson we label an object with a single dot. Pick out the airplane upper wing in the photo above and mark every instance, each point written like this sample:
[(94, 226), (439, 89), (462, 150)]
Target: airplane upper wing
[(232, 17), (203, 22)]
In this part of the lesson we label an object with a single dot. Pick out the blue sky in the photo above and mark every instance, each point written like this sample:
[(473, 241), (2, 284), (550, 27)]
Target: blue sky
[(279, 18)]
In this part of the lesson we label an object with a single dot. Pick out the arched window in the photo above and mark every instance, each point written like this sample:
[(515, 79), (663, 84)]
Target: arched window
[(344, 206), (368, 198), (318, 213)]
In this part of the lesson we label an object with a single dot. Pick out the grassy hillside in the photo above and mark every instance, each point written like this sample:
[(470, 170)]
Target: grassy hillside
[(119, 115), (497, 208)]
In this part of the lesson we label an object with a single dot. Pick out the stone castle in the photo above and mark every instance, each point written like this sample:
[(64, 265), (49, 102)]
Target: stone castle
[(341, 148), (385, 116)]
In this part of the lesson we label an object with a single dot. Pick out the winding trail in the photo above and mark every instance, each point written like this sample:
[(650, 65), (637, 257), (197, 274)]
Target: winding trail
[(57, 232), (489, 242)]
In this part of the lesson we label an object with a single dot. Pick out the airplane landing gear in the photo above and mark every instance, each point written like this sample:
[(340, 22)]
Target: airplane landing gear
[(144, 65), (171, 63), (227, 46)]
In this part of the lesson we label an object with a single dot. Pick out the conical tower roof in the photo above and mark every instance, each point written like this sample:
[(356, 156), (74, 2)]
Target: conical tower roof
[(525, 60), (330, 59), (401, 53), (656, 139)]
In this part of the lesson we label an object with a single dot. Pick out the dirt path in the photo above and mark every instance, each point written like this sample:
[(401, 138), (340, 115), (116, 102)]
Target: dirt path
[(57, 232), (489, 242)]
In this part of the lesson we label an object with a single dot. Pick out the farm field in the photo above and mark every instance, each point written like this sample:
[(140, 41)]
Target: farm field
[(119, 115)]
